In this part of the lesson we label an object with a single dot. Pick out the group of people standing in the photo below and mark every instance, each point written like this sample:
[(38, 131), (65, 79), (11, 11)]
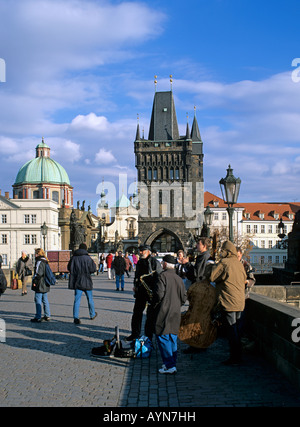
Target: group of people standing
[(232, 277), (160, 286), (117, 266)]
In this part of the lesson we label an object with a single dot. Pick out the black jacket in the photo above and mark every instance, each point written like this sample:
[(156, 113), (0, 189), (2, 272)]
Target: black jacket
[(38, 281), (81, 266), (195, 273), (119, 264)]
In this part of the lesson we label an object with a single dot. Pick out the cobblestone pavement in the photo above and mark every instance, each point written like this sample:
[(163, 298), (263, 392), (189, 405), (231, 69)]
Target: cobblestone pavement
[(49, 364)]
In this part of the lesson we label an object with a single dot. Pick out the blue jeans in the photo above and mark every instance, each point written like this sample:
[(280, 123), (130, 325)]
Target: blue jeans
[(167, 345), (89, 297), (118, 281), (41, 299), (101, 268)]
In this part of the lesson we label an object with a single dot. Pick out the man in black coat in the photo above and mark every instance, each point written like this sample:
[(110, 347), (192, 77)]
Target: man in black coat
[(81, 266), (119, 265), (145, 265)]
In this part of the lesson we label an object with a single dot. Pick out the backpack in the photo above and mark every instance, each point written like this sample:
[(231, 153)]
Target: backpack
[(50, 279), (142, 347)]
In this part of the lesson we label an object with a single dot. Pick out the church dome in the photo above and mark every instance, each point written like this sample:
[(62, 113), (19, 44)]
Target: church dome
[(42, 169)]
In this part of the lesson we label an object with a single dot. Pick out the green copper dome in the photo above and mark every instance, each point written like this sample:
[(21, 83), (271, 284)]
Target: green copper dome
[(42, 169)]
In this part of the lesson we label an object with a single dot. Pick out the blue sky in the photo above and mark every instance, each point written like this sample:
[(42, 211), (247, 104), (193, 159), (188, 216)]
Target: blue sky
[(79, 72)]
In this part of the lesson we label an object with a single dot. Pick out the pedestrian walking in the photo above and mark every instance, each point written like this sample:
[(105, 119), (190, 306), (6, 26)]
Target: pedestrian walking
[(81, 266), (128, 264), (145, 265), (230, 278), (24, 269), (109, 260), (119, 266), (169, 296), (40, 287), (101, 260)]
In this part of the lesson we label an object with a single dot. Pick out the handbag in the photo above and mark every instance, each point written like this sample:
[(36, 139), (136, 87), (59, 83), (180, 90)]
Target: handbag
[(14, 284), (28, 272)]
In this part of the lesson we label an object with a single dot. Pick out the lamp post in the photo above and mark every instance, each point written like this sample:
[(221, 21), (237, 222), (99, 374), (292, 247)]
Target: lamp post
[(208, 216), (230, 188), (282, 235), (44, 231)]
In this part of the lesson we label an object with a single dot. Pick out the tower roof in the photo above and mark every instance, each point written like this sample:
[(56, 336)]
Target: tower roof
[(163, 125), (195, 134)]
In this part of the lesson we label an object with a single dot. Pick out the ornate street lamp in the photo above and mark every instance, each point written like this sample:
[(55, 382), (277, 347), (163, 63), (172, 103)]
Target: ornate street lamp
[(282, 235), (44, 231), (230, 188), (208, 217)]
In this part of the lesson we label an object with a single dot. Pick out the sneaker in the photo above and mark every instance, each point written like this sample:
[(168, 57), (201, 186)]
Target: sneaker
[(96, 314), (117, 289), (168, 371), (35, 320), (77, 321), (46, 318)]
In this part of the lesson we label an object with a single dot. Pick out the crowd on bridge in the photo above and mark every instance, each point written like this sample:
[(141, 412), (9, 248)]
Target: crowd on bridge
[(160, 287)]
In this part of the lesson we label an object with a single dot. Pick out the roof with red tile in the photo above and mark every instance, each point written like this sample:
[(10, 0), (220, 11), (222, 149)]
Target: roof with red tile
[(255, 209)]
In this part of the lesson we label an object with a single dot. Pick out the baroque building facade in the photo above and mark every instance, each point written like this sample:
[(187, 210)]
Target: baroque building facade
[(170, 179)]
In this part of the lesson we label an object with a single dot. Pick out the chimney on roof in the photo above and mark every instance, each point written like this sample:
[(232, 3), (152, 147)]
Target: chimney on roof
[(7, 194)]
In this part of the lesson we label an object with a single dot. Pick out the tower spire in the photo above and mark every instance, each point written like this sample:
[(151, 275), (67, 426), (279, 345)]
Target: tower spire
[(195, 134)]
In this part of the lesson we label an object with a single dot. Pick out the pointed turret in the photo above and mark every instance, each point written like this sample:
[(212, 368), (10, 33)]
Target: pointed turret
[(196, 137), (163, 125)]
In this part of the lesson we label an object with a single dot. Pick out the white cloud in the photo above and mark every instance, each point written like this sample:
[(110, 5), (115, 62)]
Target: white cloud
[(104, 157), (91, 122)]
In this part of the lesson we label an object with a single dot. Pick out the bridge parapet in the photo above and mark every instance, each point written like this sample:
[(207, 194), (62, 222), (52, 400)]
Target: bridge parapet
[(275, 327)]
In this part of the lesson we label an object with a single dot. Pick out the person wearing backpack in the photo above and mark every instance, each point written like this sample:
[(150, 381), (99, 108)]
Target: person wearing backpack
[(40, 286)]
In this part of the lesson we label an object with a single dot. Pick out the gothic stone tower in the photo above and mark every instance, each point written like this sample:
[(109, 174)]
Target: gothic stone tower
[(170, 179)]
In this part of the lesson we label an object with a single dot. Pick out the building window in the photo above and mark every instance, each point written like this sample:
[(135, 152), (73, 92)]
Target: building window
[(33, 239), (27, 239), (277, 259), (216, 216), (270, 259), (172, 174), (262, 229), (149, 174), (36, 194), (33, 219), (55, 196), (255, 229), (4, 239), (155, 174), (4, 219), (26, 219), (270, 244), (224, 216), (4, 259), (263, 244), (270, 229), (176, 173), (248, 229)]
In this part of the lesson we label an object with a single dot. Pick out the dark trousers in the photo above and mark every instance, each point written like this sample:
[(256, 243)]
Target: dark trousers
[(233, 332), (137, 317)]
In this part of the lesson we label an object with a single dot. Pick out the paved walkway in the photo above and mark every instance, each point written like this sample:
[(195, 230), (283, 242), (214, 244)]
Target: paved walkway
[(49, 364)]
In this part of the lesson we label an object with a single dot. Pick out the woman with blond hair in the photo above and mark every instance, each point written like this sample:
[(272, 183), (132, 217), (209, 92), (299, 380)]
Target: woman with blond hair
[(40, 287)]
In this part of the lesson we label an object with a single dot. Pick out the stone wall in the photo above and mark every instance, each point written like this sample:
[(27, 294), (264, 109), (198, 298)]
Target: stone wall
[(270, 323)]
